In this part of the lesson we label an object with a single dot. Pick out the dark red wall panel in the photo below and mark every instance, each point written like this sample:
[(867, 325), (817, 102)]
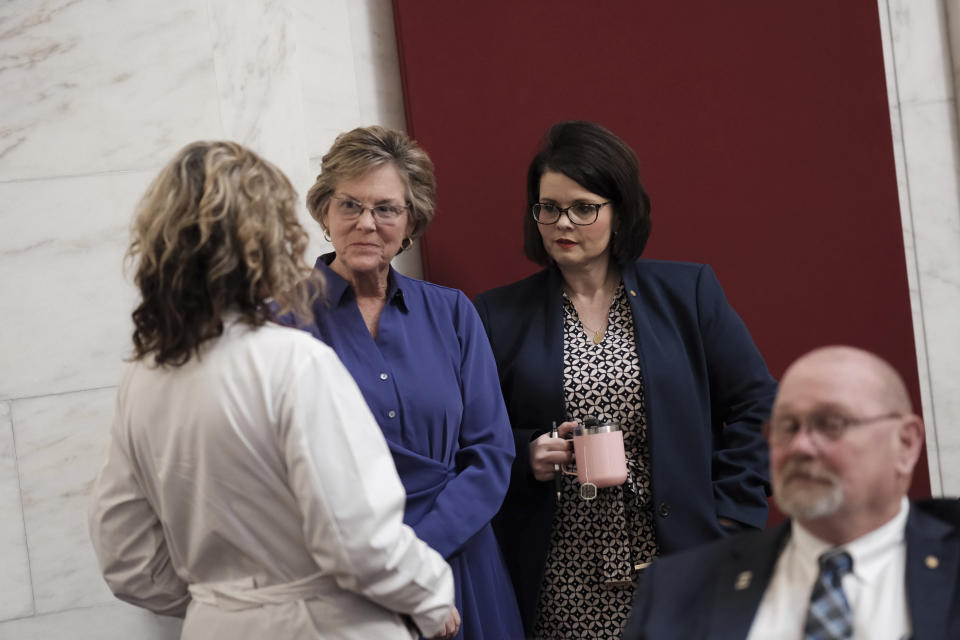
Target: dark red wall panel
[(762, 130)]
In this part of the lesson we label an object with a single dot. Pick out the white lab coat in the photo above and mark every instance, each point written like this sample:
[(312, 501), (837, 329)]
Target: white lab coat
[(252, 489)]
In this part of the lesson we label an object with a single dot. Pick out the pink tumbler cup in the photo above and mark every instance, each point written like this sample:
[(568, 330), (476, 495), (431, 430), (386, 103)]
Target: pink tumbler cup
[(600, 458)]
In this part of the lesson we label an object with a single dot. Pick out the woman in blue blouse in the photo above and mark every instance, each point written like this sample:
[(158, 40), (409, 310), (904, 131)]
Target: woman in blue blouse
[(422, 361)]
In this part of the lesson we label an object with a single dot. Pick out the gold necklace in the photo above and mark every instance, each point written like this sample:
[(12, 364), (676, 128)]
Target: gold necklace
[(596, 335)]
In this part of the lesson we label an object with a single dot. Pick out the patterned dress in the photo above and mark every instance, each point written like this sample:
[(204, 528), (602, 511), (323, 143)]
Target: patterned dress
[(596, 545)]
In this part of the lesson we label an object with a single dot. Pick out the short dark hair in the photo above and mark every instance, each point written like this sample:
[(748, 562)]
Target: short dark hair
[(599, 161)]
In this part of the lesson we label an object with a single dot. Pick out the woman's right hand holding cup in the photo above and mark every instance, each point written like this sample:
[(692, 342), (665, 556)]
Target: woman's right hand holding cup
[(546, 452)]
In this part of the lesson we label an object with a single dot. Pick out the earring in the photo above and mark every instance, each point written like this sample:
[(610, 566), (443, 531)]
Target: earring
[(406, 244), (326, 236)]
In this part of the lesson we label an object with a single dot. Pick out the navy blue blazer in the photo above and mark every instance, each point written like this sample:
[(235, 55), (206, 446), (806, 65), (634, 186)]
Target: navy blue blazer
[(707, 391), (702, 594)]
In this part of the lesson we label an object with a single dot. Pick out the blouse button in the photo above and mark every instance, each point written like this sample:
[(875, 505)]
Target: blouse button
[(391, 414), (664, 509), (383, 376)]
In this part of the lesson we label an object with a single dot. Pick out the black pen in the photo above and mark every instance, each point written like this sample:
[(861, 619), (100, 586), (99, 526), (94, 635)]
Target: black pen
[(557, 480)]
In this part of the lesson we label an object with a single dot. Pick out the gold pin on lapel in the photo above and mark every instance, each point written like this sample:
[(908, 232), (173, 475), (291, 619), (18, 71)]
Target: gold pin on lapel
[(743, 580), (932, 562), (633, 293)]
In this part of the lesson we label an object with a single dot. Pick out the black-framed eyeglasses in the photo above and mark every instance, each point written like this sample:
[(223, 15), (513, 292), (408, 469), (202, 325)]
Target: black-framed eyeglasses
[(579, 213), (824, 427), (383, 213)]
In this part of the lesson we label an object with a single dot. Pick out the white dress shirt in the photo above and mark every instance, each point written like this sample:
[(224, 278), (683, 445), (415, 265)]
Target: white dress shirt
[(875, 589), (255, 479)]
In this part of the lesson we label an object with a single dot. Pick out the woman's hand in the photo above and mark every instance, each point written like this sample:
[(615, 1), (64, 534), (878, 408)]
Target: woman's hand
[(451, 626), (545, 452)]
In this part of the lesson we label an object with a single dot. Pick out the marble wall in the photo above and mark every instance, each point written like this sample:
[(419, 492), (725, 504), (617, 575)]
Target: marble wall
[(95, 96), (923, 118)]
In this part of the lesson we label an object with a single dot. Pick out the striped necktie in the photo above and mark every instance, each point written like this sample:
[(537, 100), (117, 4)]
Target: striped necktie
[(829, 616)]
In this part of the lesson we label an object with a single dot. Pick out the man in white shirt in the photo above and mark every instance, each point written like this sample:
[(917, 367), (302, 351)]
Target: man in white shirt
[(857, 559)]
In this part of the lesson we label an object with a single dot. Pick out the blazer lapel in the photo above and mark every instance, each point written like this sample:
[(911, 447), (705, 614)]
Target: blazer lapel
[(551, 315), (742, 580), (933, 562), (648, 347)]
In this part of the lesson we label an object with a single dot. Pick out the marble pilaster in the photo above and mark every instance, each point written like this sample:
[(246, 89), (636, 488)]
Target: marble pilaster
[(924, 125), (16, 593)]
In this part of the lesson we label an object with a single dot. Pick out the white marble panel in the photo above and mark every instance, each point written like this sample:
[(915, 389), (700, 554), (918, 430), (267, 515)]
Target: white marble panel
[(953, 34), (929, 134), (351, 71), (64, 300), (921, 51), (16, 596), (889, 69), (95, 85), (261, 102), (61, 444), (116, 621), (261, 94), (325, 47), (379, 87), (906, 219)]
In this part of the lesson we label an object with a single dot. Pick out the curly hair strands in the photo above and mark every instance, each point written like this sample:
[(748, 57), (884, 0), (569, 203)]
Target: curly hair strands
[(216, 231)]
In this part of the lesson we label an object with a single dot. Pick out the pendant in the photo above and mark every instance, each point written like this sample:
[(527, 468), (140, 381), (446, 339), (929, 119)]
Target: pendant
[(598, 336)]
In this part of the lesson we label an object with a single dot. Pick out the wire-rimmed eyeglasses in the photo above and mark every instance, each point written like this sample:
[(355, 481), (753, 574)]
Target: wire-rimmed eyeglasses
[(383, 213), (824, 427), (579, 213)]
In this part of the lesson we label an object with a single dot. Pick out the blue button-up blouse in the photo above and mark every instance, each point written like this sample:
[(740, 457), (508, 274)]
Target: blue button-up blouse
[(431, 382)]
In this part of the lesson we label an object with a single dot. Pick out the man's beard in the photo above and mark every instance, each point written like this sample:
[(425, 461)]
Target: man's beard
[(815, 495)]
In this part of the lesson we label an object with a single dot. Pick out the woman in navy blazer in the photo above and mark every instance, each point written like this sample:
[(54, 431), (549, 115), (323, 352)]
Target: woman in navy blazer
[(652, 344)]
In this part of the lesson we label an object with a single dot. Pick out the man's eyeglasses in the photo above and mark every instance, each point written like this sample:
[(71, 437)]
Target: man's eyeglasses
[(385, 213), (824, 427), (579, 213)]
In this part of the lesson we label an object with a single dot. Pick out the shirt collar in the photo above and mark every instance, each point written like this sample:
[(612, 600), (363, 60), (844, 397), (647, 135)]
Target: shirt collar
[(865, 550), (338, 288)]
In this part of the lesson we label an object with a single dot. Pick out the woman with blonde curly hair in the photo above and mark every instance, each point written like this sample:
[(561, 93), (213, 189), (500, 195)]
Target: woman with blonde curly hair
[(419, 355), (247, 486)]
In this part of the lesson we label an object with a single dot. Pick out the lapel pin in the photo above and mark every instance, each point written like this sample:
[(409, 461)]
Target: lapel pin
[(932, 562), (633, 293), (743, 580)]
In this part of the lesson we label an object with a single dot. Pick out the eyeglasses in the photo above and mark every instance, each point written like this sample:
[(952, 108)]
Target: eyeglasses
[(385, 213), (824, 427), (579, 213)]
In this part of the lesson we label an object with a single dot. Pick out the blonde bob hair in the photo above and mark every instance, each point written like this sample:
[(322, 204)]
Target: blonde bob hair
[(356, 152), (216, 231)]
